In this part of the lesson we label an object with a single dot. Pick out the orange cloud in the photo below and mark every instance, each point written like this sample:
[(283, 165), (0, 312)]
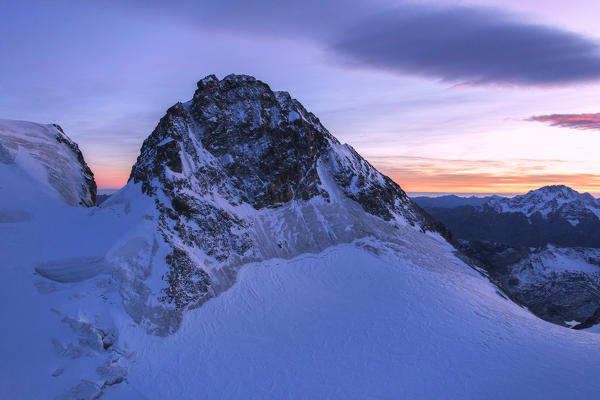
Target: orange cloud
[(421, 174), (491, 183)]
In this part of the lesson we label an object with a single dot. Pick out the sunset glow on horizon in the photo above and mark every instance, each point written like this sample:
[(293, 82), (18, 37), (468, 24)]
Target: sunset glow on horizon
[(516, 110)]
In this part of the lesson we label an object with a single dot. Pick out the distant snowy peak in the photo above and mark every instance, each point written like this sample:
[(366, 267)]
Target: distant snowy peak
[(557, 199), (44, 155)]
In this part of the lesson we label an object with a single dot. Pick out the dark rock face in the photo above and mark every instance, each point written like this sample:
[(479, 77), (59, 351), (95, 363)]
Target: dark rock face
[(451, 201), (90, 183), (188, 284), (270, 143), (541, 279), (5, 156), (541, 248), (266, 144), (566, 297), (516, 229), (238, 144), (554, 285), (591, 321)]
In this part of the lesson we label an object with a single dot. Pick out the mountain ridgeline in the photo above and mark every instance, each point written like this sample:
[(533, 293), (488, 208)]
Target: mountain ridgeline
[(242, 173), (553, 214), (542, 247)]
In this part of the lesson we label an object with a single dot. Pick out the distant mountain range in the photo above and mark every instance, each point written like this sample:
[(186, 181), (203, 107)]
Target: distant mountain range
[(541, 247), (451, 201)]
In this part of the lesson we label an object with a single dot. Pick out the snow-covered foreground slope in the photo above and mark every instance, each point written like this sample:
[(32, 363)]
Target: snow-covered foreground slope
[(347, 323), (363, 320), (60, 300)]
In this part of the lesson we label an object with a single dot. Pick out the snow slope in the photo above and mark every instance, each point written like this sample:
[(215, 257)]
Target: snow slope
[(350, 324), (369, 319)]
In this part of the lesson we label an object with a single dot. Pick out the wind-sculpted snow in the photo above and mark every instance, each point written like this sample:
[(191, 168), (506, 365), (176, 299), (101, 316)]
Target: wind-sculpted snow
[(370, 318), (73, 270), (47, 157)]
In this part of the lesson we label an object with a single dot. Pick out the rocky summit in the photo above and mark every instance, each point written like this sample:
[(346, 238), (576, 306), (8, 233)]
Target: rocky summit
[(242, 173)]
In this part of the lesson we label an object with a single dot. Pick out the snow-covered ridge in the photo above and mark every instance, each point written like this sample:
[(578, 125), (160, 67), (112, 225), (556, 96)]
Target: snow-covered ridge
[(560, 199), (42, 155), (263, 148), (241, 173)]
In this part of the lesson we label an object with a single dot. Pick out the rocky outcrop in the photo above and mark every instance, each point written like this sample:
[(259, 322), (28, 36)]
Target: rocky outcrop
[(559, 284), (89, 184)]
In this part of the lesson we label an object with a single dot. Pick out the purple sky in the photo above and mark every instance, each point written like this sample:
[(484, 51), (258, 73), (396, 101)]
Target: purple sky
[(439, 95)]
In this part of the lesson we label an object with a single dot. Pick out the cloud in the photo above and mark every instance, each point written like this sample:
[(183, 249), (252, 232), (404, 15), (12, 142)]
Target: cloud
[(463, 45), (468, 45), (573, 121), (449, 181)]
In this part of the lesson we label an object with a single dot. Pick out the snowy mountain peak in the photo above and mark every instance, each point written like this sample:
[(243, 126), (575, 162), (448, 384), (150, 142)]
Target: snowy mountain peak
[(252, 145), (242, 173), (555, 199), (34, 156), (558, 191)]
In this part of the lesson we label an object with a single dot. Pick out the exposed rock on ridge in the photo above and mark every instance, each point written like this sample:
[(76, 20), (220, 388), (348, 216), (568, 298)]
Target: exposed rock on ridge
[(241, 173), (89, 185)]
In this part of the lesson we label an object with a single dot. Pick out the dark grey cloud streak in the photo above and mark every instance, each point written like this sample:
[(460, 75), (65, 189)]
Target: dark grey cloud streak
[(471, 45), (456, 44)]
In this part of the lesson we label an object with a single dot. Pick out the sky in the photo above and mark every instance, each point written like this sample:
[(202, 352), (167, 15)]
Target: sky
[(479, 96)]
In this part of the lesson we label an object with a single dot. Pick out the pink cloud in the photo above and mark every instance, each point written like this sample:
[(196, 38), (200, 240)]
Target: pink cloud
[(573, 121)]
